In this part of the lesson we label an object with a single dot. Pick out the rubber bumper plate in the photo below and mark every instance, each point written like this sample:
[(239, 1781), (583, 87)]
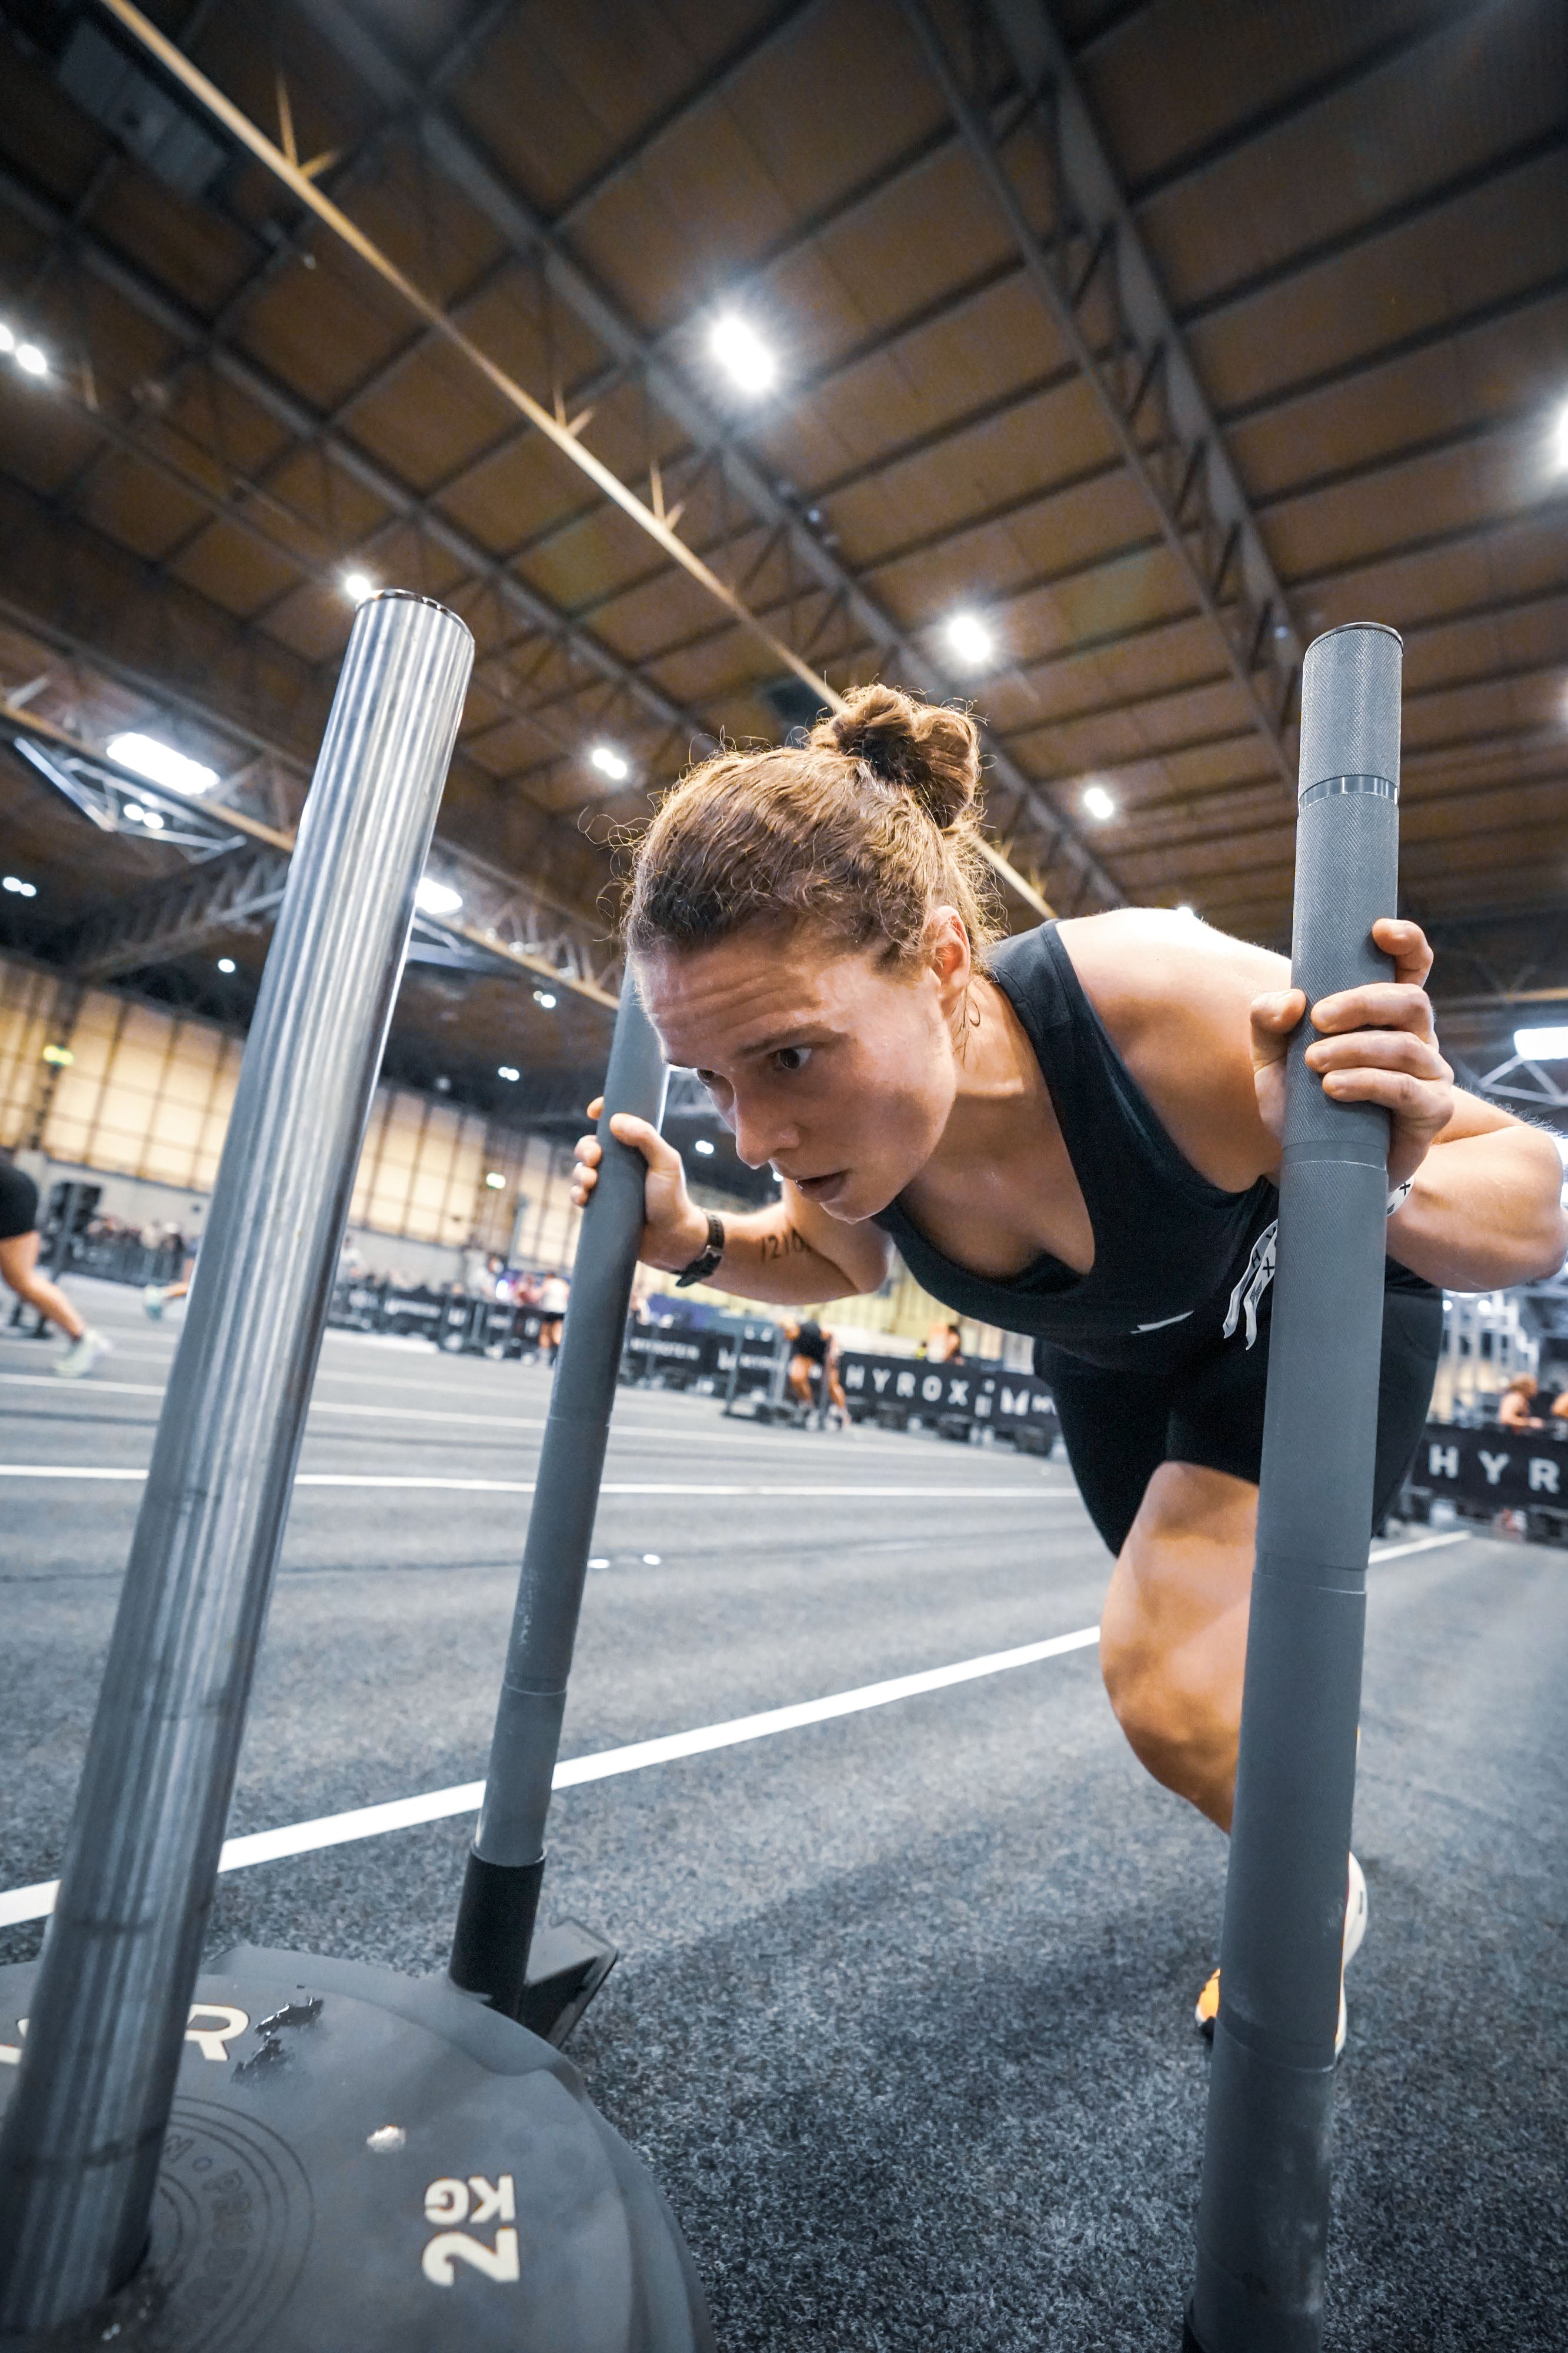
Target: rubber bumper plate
[(361, 2159)]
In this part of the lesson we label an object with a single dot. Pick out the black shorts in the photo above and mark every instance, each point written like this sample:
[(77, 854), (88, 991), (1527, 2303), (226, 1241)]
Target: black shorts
[(1119, 1427), (18, 1202)]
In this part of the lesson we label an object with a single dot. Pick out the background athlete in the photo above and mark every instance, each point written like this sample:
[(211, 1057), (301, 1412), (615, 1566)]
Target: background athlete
[(20, 1243), (1072, 1134)]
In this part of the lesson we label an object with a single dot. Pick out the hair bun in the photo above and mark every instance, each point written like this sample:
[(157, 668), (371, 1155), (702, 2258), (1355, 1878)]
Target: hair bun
[(921, 748)]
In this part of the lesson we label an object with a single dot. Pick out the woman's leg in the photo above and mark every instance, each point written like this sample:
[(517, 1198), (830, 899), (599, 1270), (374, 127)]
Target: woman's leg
[(19, 1266), (1173, 1636), (1174, 1632)]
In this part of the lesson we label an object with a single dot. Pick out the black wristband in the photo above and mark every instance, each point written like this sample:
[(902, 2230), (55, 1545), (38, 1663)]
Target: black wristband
[(703, 1265)]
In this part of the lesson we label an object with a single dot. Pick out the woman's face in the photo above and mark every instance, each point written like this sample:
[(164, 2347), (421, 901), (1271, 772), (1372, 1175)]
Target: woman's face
[(834, 1066)]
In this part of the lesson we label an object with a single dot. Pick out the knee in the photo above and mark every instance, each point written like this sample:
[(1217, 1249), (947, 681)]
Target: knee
[(1165, 1714), (1171, 1665)]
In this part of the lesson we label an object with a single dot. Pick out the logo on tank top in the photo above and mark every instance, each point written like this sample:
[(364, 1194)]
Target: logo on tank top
[(1256, 1279)]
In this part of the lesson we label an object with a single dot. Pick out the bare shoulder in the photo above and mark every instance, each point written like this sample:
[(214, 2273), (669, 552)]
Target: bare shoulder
[(1147, 964), (1176, 995)]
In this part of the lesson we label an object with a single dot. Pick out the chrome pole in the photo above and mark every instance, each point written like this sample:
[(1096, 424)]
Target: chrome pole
[(84, 2130)]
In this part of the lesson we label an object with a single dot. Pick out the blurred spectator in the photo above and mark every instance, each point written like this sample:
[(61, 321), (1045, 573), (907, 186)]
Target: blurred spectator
[(1515, 1407), (945, 1344), (554, 1299)]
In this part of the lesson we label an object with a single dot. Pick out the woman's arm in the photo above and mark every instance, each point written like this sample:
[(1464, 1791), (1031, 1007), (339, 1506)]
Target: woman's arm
[(1485, 1210), (791, 1254), (1485, 1207)]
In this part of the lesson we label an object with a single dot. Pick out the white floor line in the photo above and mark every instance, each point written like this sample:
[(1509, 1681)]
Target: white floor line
[(968, 1491), (1425, 1544), (36, 1902), (20, 1903), (619, 1430)]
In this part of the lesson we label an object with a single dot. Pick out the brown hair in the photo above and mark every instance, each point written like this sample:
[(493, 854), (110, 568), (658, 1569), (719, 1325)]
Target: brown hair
[(865, 829)]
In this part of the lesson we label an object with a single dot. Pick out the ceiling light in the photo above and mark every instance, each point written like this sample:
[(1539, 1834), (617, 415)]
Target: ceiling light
[(152, 820), (160, 764), (1098, 802), (13, 883), (1560, 440), (970, 638), (1185, 910), (31, 361), (495, 1180), (358, 586), (545, 997), (225, 963), (1541, 1045), (703, 1146), (609, 763), (437, 898), (506, 1071), (741, 353), (8, 339)]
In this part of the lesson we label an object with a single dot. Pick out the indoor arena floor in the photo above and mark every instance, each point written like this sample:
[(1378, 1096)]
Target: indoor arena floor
[(903, 2017)]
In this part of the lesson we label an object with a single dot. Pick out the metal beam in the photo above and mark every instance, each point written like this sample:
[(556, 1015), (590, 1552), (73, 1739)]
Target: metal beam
[(530, 234), (183, 326), (504, 919), (1149, 395), (173, 918)]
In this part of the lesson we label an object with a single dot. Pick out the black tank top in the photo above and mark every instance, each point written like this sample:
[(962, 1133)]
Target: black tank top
[(1178, 1262)]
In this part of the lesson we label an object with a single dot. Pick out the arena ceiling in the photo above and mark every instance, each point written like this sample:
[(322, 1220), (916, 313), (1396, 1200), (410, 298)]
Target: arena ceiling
[(1146, 338)]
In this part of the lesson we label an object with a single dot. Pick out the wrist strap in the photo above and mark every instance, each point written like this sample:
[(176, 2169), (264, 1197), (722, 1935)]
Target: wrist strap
[(703, 1265)]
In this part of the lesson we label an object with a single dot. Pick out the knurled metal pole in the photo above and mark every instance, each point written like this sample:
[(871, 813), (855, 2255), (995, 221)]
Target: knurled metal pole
[(82, 2136), (1263, 2217), (506, 1864)]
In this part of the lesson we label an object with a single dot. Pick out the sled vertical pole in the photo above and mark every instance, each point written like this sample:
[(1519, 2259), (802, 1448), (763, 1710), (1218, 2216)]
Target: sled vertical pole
[(1264, 2213), (506, 1863)]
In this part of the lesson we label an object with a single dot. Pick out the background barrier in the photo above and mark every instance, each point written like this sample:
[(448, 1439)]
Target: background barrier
[(1482, 1471)]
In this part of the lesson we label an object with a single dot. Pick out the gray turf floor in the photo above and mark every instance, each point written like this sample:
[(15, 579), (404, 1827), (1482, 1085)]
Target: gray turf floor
[(903, 2017)]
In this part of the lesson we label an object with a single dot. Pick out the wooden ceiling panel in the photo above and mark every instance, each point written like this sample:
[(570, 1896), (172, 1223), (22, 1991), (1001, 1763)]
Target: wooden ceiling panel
[(1493, 82), (1457, 258), (932, 232), (439, 414), (43, 442), (1536, 634), (43, 130), (323, 331), (1155, 89), (539, 95), (520, 492), (1389, 404), (1027, 451), (590, 567), (1521, 553), (140, 509), (987, 559), (1108, 733), (234, 571), (1489, 373), (334, 503), (1499, 475)]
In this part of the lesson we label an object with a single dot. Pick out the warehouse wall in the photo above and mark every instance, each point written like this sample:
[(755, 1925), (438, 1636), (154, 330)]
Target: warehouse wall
[(146, 1100)]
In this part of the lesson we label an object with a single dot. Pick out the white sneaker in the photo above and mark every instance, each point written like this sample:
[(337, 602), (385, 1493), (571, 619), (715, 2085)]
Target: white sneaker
[(152, 1300), (1355, 1929), (82, 1354), (1207, 2009)]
